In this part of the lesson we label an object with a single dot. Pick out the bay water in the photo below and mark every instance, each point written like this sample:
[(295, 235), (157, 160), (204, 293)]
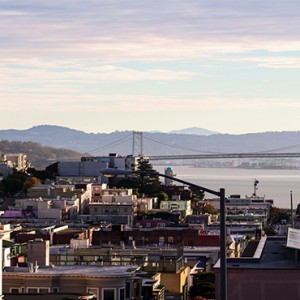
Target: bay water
[(276, 184)]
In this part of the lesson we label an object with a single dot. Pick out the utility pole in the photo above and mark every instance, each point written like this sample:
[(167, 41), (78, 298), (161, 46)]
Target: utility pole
[(292, 211)]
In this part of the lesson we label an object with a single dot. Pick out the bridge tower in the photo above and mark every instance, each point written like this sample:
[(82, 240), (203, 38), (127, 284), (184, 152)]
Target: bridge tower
[(137, 143)]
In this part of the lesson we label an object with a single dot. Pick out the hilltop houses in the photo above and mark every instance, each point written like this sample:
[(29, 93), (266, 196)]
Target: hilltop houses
[(113, 242)]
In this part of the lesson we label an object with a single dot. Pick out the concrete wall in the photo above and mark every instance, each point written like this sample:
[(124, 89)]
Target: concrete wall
[(38, 252), (174, 282)]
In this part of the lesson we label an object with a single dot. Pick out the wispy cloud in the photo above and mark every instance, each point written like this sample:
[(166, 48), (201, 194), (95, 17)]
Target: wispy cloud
[(134, 103), (272, 62), (115, 56), (119, 30)]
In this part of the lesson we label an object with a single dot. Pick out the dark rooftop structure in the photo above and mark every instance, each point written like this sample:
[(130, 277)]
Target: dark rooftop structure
[(267, 270)]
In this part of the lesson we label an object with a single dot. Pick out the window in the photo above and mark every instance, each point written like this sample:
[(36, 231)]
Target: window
[(161, 241), (35, 290), (94, 291), (14, 290), (122, 294), (55, 290), (128, 287), (170, 240), (109, 294), (136, 289)]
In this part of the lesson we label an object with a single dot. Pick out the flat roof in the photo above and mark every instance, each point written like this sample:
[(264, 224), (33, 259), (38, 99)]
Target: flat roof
[(75, 270), (272, 254)]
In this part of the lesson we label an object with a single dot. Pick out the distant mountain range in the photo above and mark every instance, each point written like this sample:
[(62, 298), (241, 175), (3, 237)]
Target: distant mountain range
[(153, 143), (194, 131)]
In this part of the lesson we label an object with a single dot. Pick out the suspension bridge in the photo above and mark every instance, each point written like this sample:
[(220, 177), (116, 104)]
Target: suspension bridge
[(137, 138), (225, 155)]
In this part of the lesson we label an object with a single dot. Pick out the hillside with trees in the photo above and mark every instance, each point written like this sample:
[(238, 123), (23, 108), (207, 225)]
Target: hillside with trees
[(39, 156), (157, 143)]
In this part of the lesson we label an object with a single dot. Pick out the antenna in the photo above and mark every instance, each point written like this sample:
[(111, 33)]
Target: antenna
[(256, 182)]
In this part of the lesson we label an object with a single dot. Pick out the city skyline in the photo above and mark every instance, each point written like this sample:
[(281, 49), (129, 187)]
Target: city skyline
[(101, 66)]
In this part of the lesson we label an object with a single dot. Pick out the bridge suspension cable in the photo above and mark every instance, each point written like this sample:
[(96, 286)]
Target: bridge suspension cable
[(215, 152), (281, 149), (115, 143), (175, 146)]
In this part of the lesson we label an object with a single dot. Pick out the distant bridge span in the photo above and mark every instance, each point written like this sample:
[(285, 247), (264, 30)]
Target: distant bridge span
[(225, 155)]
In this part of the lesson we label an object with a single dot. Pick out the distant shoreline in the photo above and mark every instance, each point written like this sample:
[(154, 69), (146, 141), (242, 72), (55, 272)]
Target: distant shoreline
[(227, 167), (249, 168)]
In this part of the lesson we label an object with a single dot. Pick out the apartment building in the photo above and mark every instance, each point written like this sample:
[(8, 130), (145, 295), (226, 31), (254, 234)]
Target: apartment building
[(182, 206), (18, 160), (51, 209), (105, 282), (38, 277)]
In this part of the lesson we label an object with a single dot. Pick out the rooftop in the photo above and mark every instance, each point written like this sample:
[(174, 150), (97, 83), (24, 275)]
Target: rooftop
[(75, 270), (270, 253)]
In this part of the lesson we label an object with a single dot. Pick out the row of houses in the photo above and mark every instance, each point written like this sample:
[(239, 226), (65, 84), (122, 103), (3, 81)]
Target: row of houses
[(111, 243), (94, 203)]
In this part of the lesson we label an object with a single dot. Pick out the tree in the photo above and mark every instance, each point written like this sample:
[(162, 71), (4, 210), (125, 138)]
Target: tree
[(298, 210), (277, 215), (41, 174), (30, 182), (209, 209), (147, 184), (53, 168), (12, 185), (142, 183), (2, 190), (162, 196), (203, 285), (197, 194)]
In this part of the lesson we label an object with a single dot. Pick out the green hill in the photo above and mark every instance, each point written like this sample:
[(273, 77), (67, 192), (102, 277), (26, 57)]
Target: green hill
[(39, 156)]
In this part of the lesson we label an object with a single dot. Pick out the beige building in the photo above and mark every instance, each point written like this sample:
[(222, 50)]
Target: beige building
[(115, 213), (100, 193), (105, 283), (183, 206), (18, 160), (55, 209)]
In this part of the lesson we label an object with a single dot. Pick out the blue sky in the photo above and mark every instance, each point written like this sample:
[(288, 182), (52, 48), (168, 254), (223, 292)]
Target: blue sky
[(106, 65)]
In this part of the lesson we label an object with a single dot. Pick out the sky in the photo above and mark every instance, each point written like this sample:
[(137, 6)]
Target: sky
[(107, 65)]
